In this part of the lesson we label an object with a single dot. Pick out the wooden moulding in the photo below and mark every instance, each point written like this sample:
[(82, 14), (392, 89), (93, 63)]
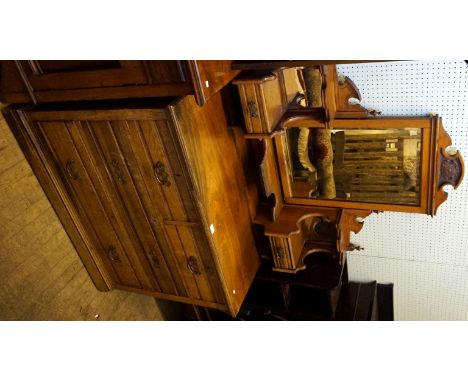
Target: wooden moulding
[(449, 168)]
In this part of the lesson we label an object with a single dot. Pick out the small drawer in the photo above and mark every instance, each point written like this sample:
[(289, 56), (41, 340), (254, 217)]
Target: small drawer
[(263, 101), (281, 251), (191, 253)]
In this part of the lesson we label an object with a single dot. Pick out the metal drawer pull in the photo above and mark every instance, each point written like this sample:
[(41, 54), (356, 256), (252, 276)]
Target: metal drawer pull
[(119, 174), (112, 253), (253, 111), (192, 265), (72, 171), (161, 175)]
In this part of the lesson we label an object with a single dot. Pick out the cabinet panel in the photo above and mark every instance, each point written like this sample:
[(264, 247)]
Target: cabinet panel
[(196, 274), (111, 247), (137, 197), (99, 139)]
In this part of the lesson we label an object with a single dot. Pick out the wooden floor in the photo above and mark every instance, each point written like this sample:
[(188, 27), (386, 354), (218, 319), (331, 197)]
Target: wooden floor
[(41, 275)]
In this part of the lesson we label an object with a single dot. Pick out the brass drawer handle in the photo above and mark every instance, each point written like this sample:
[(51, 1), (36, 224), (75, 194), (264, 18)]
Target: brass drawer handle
[(253, 110), (118, 172), (112, 253), (192, 265), (154, 259), (72, 171), (160, 174), (279, 252)]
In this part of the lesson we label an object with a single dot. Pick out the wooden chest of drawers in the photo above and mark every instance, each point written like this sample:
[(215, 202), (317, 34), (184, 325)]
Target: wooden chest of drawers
[(142, 193)]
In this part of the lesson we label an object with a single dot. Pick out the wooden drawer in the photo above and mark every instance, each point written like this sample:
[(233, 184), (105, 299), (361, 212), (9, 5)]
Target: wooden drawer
[(192, 256), (264, 98)]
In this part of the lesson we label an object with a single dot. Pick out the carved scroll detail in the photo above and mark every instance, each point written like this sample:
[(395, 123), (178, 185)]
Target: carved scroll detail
[(345, 90), (449, 168), (269, 177)]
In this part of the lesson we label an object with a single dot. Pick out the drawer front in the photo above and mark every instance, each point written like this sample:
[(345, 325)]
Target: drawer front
[(251, 103), (133, 183), (263, 103), (192, 254)]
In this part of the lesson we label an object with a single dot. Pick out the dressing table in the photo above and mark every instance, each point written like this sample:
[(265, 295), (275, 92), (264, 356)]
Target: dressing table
[(324, 162), (161, 194)]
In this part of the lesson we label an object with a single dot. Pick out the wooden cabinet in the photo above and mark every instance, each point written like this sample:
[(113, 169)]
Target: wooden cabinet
[(141, 191), (265, 98), (55, 81)]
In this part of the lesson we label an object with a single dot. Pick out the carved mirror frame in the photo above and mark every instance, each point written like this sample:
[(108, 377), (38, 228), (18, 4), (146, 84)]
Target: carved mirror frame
[(437, 167)]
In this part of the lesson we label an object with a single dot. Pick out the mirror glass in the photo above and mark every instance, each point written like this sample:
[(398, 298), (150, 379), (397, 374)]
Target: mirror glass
[(359, 165)]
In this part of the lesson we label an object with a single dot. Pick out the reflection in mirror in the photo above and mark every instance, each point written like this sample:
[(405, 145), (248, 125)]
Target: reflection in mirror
[(361, 165)]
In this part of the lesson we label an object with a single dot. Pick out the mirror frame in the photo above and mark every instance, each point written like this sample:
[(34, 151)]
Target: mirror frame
[(429, 127)]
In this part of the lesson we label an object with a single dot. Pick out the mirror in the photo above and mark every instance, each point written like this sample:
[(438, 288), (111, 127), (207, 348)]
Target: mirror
[(359, 165)]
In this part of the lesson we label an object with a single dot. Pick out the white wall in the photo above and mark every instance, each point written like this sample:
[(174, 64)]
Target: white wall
[(426, 258)]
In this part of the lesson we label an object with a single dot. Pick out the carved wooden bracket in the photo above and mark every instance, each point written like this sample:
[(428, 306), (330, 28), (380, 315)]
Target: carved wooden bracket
[(266, 162), (347, 222), (346, 90)]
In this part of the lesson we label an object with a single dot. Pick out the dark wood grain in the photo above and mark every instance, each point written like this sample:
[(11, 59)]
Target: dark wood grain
[(40, 81)]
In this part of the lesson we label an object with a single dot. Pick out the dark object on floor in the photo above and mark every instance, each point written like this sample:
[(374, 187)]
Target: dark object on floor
[(319, 293)]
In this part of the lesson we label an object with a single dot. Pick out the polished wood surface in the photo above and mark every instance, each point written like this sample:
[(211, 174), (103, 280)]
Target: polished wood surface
[(219, 184), (209, 77), (428, 125)]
